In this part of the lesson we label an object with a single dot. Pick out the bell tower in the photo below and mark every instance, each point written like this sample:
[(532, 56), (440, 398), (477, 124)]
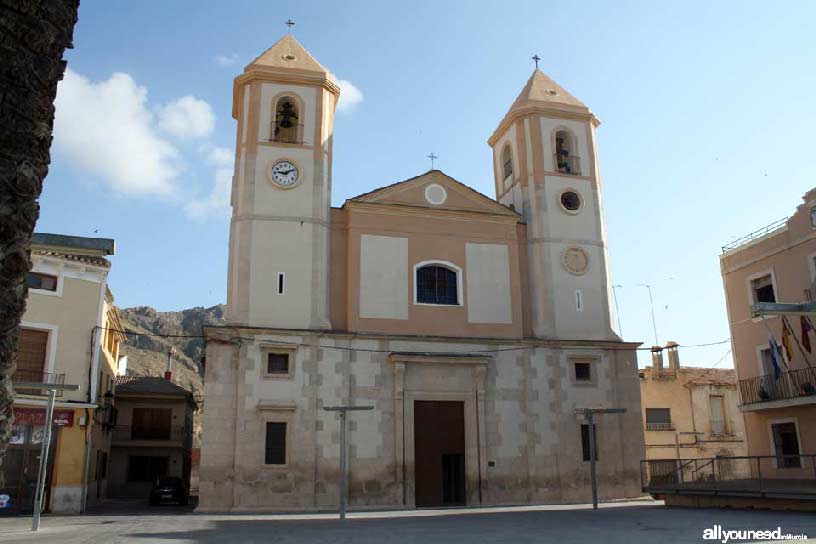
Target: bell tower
[(546, 168), (278, 275)]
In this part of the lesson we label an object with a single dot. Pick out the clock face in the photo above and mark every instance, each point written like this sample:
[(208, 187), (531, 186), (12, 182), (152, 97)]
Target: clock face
[(575, 260), (284, 173)]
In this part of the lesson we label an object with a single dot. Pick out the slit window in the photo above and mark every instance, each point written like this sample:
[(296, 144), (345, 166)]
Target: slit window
[(579, 303), (763, 289), (281, 280), (275, 452), (585, 441), (436, 285)]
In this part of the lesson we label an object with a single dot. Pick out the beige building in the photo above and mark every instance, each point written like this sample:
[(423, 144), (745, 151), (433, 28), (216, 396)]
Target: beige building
[(690, 412), (68, 335), (775, 264), (475, 327), (153, 435)]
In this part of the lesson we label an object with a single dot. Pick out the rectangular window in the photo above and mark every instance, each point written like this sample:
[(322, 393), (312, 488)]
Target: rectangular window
[(658, 419), (277, 363), (46, 282), (583, 372), (786, 444), (31, 354), (281, 279), (275, 444), (151, 423), (585, 441), (717, 415), (146, 468), (763, 289)]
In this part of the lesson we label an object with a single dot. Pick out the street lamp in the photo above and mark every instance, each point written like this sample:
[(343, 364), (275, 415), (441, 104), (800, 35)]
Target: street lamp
[(589, 414)]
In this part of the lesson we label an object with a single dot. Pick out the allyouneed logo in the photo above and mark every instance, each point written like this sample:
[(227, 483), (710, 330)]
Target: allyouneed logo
[(724, 536)]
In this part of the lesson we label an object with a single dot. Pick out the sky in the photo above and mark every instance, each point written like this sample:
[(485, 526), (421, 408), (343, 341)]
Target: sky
[(706, 111)]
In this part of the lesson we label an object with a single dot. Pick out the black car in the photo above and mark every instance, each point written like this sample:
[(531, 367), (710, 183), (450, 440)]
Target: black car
[(168, 489)]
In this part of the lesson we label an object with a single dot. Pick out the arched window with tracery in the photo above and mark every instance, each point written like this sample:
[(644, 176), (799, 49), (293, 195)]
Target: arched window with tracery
[(507, 161), (288, 122), (567, 162), (437, 284)]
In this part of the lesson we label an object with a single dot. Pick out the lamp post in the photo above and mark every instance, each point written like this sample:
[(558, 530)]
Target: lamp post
[(52, 389), (342, 412), (589, 414)]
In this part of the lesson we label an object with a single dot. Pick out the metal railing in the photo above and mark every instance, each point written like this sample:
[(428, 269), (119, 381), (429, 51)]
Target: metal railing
[(773, 476), (759, 233), (791, 384), (28, 376), (659, 426), (174, 433), (567, 164), (287, 135)]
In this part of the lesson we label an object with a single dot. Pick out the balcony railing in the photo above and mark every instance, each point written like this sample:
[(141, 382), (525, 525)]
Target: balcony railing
[(568, 164), (126, 433), (792, 384), (772, 476), (287, 135), (659, 426), (767, 229), (28, 376)]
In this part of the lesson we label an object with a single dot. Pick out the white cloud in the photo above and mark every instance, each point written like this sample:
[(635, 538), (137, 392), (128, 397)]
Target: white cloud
[(107, 129), (218, 201), (226, 60), (350, 96), (186, 118)]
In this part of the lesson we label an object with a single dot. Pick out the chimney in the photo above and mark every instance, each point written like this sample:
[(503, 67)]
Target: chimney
[(674, 356), (657, 358), (168, 375)]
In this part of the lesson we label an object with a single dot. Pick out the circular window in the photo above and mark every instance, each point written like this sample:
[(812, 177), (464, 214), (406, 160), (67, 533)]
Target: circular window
[(435, 194), (570, 201)]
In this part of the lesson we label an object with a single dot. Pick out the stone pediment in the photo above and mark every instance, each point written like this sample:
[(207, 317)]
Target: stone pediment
[(434, 190)]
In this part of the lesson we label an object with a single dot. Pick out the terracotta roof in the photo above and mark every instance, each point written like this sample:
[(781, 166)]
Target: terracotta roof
[(710, 376), (149, 384), (287, 53), (81, 244)]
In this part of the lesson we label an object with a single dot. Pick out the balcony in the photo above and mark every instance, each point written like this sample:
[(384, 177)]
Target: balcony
[(28, 377), (659, 426), (169, 435), (567, 164), (766, 476), (794, 384), (287, 135)]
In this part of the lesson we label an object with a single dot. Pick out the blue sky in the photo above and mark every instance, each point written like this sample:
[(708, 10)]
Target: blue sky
[(706, 111)]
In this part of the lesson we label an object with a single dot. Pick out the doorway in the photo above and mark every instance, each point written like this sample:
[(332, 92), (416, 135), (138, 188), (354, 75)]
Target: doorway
[(439, 453)]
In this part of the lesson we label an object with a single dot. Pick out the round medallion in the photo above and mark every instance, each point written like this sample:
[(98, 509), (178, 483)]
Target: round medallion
[(435, 194), (284, 174), (575, 260), (570, 201)]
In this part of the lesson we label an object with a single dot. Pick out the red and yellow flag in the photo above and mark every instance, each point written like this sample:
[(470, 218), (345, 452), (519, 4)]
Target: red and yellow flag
[(806, 328), (786, 340)]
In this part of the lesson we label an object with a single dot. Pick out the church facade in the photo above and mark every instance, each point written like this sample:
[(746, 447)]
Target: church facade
[(474, 327)]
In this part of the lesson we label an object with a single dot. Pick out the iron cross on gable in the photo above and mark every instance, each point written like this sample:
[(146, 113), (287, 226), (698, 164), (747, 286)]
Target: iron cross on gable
[(433, 158), (290, 23), (536, 58)]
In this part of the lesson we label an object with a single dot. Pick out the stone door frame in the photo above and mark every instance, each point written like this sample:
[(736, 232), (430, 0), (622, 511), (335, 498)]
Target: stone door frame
[(475, 440)]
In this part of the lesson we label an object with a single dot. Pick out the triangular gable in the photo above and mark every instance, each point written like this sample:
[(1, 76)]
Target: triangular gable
[(412, 192)]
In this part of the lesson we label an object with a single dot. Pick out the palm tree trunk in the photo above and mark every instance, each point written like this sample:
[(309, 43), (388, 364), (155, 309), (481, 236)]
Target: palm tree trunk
[(33, 37)]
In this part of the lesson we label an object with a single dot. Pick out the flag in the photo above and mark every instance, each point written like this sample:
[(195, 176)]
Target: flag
[(806, 328), (786, 339), (774, 356)]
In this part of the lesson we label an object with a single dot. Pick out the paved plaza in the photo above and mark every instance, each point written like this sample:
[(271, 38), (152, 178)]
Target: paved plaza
[(623, 523)]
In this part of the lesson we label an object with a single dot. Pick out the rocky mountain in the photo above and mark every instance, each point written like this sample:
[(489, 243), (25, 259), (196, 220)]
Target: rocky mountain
[(176, 333)]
